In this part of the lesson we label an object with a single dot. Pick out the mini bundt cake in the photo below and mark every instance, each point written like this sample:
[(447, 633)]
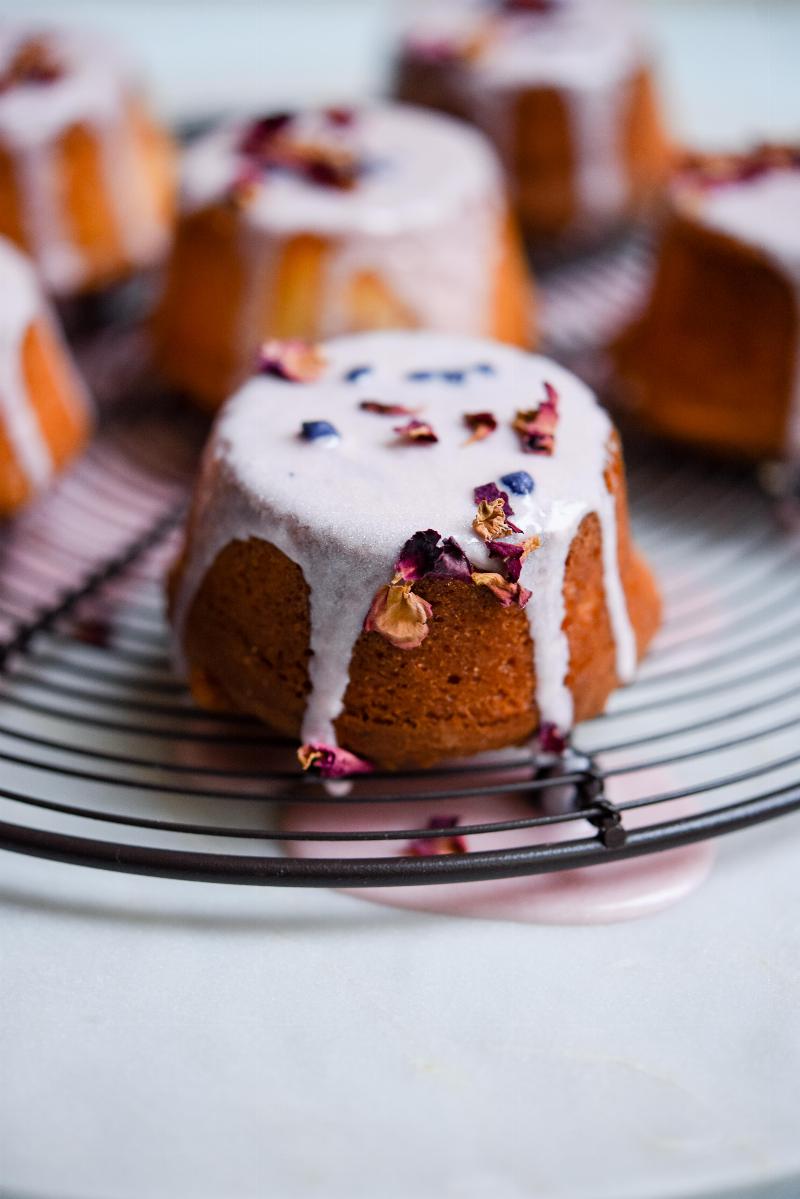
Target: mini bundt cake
[(44, 412), (334, 222), (565, 90), (715, 357), (410, 546), (86, 177)]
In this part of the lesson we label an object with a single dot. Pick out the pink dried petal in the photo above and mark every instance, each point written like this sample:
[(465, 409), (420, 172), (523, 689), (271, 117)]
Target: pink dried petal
[(34, 62), (449, 842), (507, 592), (489, 492), (551, 739), (387, 409), (537, 426), (451, 562), (343, 118), (418, 556), (331, 762), (259, 134), (416, 432), (399, 616), (480, 424), (513, 554), (294, 361)]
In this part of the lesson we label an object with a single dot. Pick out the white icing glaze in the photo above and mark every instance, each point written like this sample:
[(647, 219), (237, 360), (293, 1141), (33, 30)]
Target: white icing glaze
[(342, 512), (21, 306), (585, 49), (764, 213), (432, 188), (95, 91)]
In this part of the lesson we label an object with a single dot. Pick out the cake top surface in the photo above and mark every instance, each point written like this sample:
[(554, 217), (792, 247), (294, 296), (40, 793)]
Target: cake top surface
[(760, 207), (370, 488), (568, 42), (378, 169), (51, 79)]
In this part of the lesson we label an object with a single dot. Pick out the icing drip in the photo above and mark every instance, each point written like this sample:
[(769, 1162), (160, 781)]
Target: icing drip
[(342, 510), (764, 213), (587, 51), (93, 91), (429, 187), (22, 306)]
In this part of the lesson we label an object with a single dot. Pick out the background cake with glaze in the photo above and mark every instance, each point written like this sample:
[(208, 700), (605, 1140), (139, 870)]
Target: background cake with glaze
[(44, 410), (715, 357), (312, 485), (86, 175), (565, 90), (322, 223)]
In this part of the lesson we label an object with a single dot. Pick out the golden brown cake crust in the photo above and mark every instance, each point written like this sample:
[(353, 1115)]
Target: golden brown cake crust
[(469, 687)]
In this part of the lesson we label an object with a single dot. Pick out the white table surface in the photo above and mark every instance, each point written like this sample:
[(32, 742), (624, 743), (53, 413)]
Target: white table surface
[(177, 1040)]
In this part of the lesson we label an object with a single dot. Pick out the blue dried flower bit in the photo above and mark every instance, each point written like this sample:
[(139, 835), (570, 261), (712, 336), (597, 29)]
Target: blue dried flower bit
[(454, 376), (519, 482), (357, 372), (420, 376), (484, 368), (318, 430)]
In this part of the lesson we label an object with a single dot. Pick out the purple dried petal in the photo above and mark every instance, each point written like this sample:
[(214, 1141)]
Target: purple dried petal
[(448, 842), (511, 556), (489, 492), (416, 432), (551, 739), (418, 556), (260, 132), (380, 409), (452, 562), (331, 762)]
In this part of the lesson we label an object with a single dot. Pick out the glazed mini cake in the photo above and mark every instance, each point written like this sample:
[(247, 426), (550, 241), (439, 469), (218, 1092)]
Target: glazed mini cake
[(322, 223), (565, 91), (715, 358), (406, 547), (44, 412), (86, 177)]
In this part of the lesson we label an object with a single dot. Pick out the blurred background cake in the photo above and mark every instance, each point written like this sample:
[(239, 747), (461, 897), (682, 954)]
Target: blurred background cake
[(316, 223), (44, 412), (715, 357), (565, 90), (86, 175)]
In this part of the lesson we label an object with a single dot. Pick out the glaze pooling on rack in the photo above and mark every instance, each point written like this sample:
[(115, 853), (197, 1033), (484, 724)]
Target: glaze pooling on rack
[(429, 186), (22, 307), (94, 92), (764, 213), (587, 50), (343, 510)]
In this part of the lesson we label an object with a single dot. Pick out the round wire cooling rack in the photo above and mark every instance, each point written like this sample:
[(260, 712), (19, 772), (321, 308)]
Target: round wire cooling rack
[(105, 762)]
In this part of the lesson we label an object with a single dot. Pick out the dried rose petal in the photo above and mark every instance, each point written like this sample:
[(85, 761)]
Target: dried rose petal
[(535, 6), (399, 615), (331, 762), (490, 521), (514, 554), (537, 426), (426, 847), (386, 409), (551, 739), (416, 432), (258, 135), (294, 361), (451, 562), (507, 592), (489, 492), (480, 424), (418, 556), (34, 62), (341, 117)]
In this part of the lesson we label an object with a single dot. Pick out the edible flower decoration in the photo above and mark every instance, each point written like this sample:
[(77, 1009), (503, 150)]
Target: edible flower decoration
[(480, 424), (318, 430), (513, 554), (492, 518), (34, 62), (331, 762), (380, 409), (518, 482), (275, 143), (551, 739), (537, 426), (400, 616), (531, 6), (416, 432), (509, 592), (294, 361), (447, 842)]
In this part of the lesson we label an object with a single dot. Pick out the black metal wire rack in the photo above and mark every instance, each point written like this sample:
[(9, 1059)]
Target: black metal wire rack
[(106, 763)]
